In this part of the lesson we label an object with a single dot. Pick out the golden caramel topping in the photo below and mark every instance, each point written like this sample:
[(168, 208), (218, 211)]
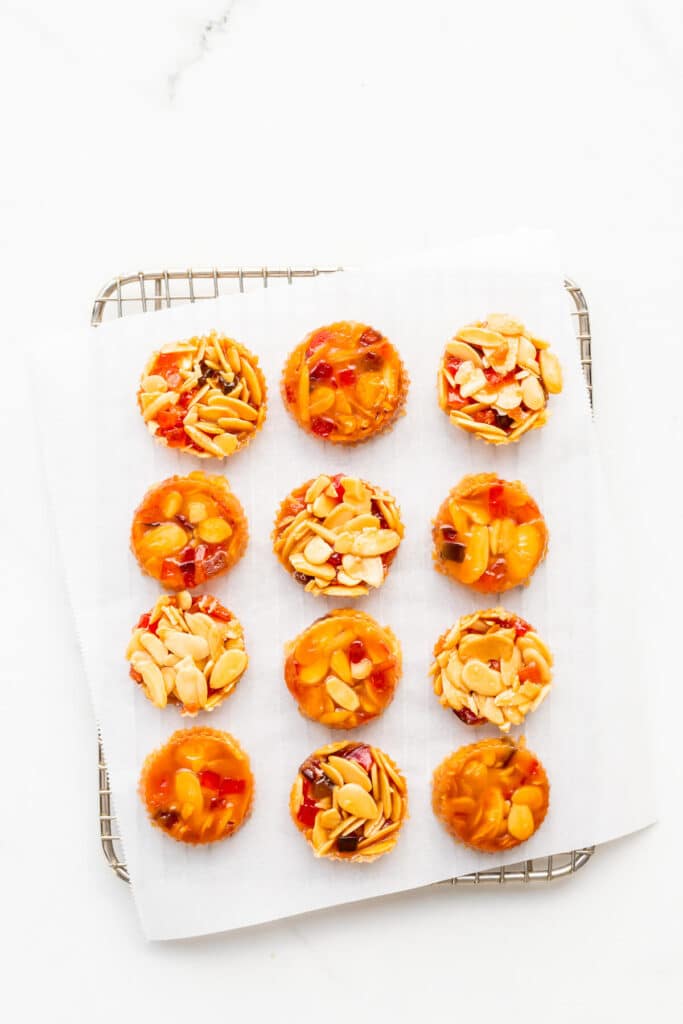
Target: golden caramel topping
[(491, 667), (489, 534), (206, 396), (344, 383), (187, 651), (343, 669), (349, 800), (495, 378), (491, 795), (189, 529), (198, 788), (338, 535)]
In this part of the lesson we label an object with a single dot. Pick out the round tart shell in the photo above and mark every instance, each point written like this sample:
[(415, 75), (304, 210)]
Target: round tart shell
[(322, 651), (398, 785), (457, 554), (365, 400), (452, 774), (172, 560), (228, 392), (495, 379), (491, 666), (216, 650), (285, 544), (225, 749)]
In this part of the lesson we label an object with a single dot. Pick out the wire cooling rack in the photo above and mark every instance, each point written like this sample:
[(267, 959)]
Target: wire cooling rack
[(146, 292)]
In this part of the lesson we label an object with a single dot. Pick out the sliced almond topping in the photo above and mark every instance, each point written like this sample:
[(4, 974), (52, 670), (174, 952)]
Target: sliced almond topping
[(356, 801), (317, 551), (532, 393), (342, 694)]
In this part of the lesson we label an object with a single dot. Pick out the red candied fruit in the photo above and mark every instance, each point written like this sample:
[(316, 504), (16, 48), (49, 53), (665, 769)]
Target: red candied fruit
[(209, 779), (362, 754), (143, 621), (495, 574), (321, 371), (519, 625), (338, 485), (318, 339), (169, 418), (321, 426), (307, 813), (453, 365), (530, 673), (177, 438), (369, 337), (497, 504), (356, 651), (230, 786), (335, 559), (347, 377), (378, 681)]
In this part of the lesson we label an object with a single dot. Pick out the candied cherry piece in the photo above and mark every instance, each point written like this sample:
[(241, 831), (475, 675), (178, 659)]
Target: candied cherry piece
[(497, 503), (321, 371), (227, 787), (356, 651), (307, 814), (209, 779), (322, 426), (347, 377)]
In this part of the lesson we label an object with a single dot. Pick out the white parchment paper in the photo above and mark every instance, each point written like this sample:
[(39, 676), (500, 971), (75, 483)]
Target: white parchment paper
[(99, 462)]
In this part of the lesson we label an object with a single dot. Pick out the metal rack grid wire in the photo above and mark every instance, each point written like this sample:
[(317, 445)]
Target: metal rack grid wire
[(146, 292)]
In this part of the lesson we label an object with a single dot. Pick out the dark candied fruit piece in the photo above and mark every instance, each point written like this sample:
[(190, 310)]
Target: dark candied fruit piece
[(453, 551), (371, 361), (448, 533), (301, 577), (469, 717), (369, 337), (348, 844), (335, 559), (502, 421), (321, 788), (167, 818)]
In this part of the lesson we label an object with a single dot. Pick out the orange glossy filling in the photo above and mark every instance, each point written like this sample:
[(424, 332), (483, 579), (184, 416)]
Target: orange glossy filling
[(188, 530), (491, 795), (489, 534), (343, 670), (344, 382), (198, 788)]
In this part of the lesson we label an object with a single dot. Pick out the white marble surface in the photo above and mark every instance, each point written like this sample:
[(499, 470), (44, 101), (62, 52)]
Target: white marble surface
[(147, 134)]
